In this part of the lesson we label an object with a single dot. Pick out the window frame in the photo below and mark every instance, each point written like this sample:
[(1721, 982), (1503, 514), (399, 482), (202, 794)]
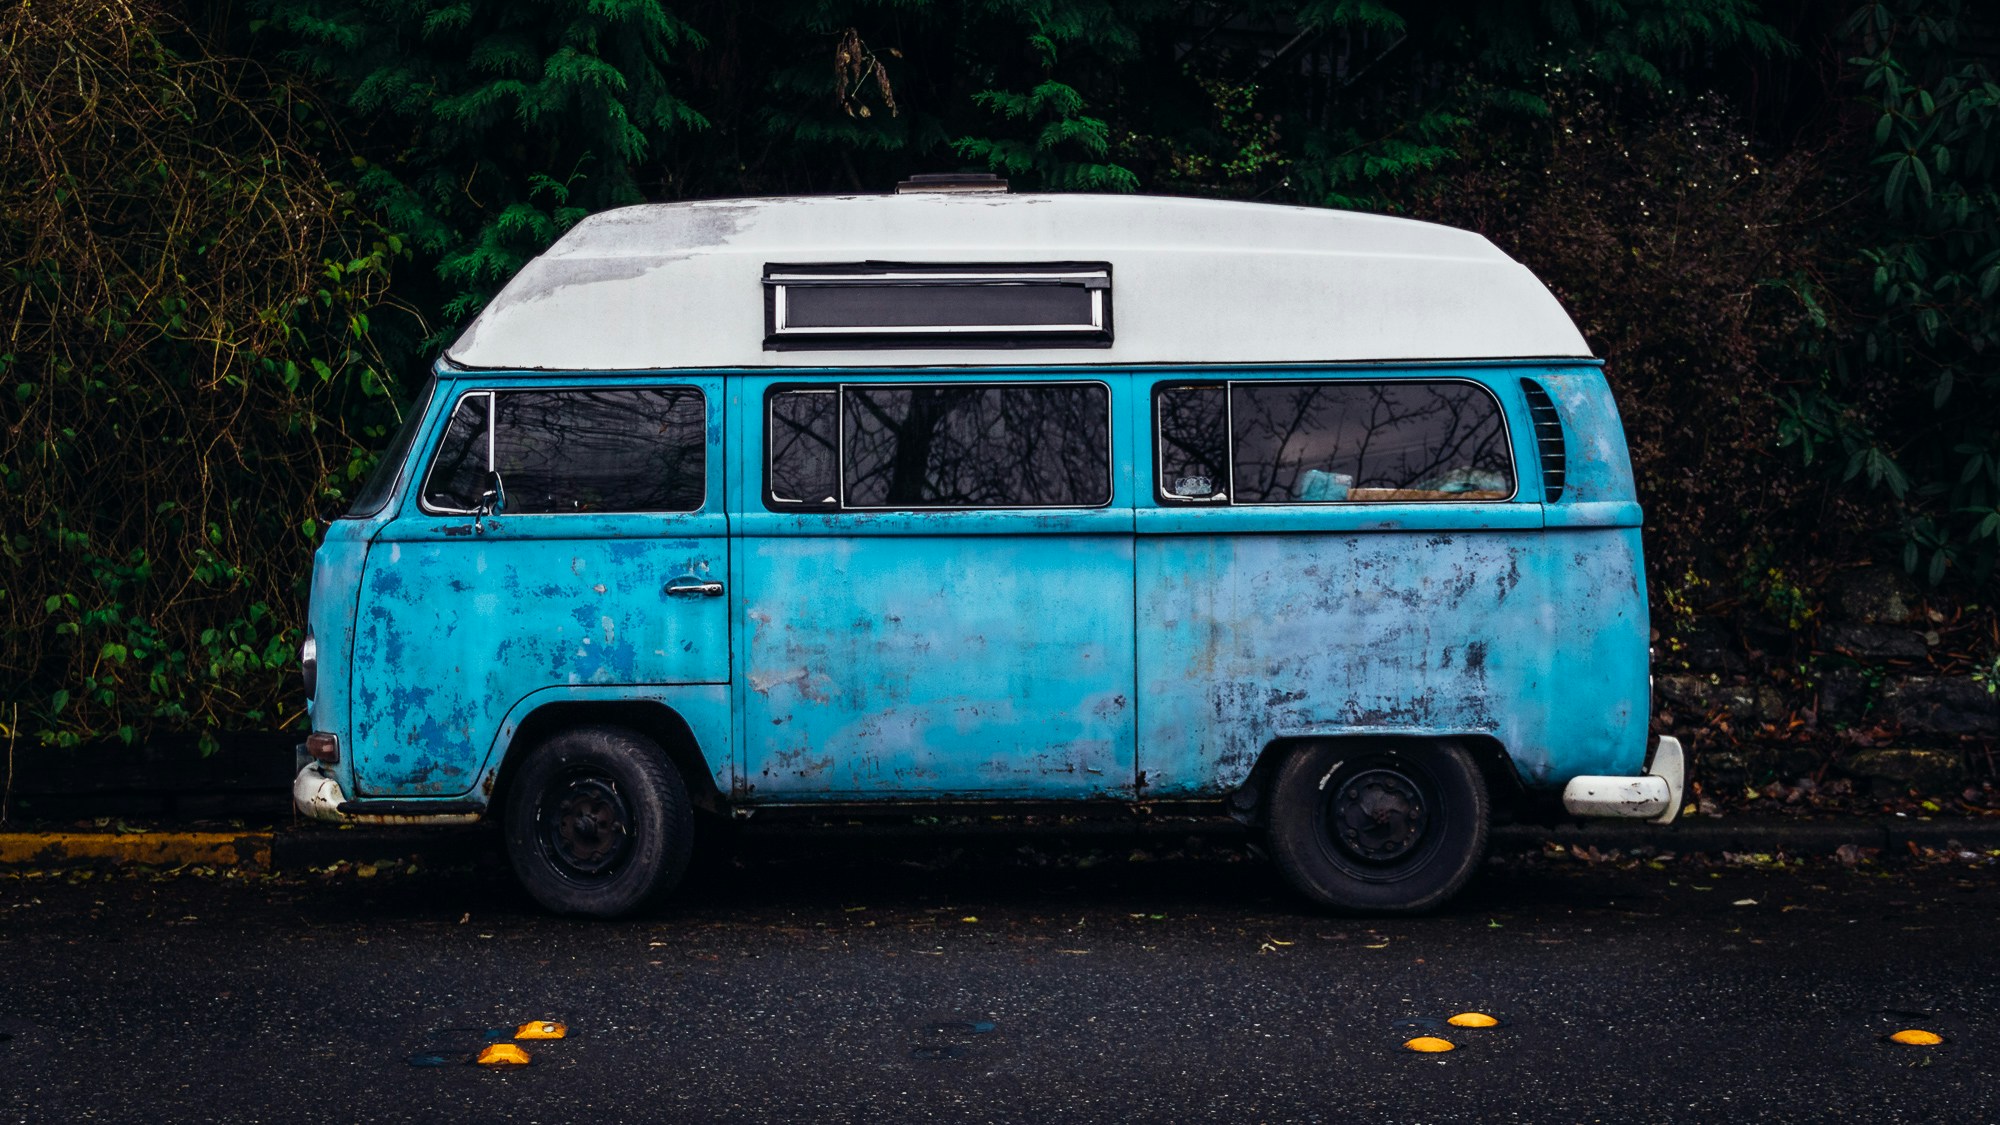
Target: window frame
[(1166, 500), (492, 442), (766, 495), (770, 495)]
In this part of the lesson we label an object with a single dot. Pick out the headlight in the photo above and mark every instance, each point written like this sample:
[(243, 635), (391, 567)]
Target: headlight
[(309, 664)]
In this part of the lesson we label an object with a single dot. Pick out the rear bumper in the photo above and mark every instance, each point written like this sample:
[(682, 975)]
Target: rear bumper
[(1655, 796)]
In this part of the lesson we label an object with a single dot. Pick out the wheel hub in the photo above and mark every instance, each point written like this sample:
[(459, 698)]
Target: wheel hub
[(1378, 816), (587, 825)]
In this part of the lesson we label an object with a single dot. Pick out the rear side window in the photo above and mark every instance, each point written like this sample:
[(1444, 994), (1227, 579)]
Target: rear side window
[(1323, 442), (636, 450), (915, 446)]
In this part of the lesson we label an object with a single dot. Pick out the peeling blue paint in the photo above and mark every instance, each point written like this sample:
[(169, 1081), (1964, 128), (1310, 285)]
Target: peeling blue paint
[(1131, 651)]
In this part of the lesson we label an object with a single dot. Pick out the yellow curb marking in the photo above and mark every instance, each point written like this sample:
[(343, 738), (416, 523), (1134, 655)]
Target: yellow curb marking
[(251, 850)]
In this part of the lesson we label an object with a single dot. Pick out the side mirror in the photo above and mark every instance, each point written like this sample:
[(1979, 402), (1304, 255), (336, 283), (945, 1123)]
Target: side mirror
[(492, 502)]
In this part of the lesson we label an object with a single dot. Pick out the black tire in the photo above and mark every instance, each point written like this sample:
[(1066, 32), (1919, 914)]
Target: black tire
[(1379, 827), (598, 823)]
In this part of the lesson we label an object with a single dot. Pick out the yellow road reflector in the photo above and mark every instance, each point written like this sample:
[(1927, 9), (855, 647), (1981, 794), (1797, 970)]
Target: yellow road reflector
[(1473, 1019), (503, 1054), (1916, 1037), (1430, 1044), (542, 1029)]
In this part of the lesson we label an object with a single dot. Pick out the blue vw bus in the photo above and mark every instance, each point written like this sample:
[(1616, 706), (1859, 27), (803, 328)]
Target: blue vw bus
[(960, 496)]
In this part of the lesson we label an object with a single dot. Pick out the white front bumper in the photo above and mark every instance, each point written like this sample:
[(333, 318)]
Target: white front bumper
[(1656, 796), (316, 794)]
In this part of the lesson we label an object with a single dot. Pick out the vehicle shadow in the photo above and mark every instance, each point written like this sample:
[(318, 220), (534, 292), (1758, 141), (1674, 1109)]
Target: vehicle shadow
[(748, 876)]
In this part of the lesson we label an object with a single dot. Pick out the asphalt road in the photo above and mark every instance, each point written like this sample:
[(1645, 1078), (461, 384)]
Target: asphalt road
[(937, 980)]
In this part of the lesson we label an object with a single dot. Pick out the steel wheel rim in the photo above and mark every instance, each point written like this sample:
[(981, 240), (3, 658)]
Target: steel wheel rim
[(1381, 818), (584, 825)]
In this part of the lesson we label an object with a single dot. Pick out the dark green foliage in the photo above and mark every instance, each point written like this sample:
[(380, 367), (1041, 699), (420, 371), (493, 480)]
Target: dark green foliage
[(489, 128), (492, 126), (187, 372), (1903, 365)]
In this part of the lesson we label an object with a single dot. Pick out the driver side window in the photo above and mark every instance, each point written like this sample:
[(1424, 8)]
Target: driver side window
[(598, 450)]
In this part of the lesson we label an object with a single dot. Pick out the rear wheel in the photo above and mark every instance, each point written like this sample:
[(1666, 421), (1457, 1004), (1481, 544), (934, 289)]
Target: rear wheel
[(598, 823), (1379, 827)]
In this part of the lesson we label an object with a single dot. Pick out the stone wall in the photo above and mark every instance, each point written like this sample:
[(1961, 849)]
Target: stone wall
[(1877, 691)]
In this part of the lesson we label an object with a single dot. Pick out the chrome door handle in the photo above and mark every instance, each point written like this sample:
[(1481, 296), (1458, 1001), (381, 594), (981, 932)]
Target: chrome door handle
[(693, 588)]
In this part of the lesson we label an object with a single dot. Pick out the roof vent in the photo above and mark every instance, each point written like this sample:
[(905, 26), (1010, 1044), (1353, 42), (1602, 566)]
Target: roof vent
[(951, 182)]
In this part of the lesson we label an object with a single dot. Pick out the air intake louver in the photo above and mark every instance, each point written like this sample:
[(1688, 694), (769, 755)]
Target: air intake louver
[(1548, 439)]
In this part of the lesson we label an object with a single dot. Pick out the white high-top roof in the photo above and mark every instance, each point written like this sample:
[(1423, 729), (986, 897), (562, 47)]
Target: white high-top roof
[(680, 285)]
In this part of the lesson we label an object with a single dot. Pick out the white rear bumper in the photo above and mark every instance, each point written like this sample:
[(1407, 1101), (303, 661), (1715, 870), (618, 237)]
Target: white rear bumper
[(1656, 796)]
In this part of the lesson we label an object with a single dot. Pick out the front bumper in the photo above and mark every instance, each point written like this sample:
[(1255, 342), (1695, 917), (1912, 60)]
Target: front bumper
[(1656, 796), (316, 794)]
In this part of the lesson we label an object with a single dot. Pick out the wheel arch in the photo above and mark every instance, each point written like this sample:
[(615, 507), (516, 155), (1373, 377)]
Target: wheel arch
[(1506, 796), (657, 721)]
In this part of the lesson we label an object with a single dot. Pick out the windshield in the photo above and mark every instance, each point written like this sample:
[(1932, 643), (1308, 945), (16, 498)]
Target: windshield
[(381, 482)]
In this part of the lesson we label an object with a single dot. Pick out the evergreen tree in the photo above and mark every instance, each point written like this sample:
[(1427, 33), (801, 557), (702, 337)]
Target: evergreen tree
[(488, 127)]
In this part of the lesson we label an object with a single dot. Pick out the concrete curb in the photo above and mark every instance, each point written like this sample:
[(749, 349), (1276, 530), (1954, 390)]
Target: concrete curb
[(1729, 834), (296, 849)]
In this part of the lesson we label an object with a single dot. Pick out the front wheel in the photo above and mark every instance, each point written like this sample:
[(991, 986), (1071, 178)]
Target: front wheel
[(1379, 827), (598, 823)]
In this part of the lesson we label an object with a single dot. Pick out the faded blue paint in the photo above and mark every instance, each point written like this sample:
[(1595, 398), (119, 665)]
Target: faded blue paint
[(455, 626), (934, 654), (336, 586), (1442, 619), (983, 663), (704, 707), (1126, 651)]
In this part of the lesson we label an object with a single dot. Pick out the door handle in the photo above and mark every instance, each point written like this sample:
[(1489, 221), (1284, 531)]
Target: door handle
[(693, 588)]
